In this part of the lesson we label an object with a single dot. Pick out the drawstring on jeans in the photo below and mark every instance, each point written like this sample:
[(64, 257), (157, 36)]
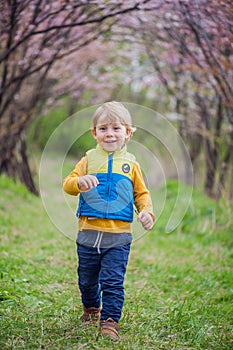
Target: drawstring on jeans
[(98, 241)]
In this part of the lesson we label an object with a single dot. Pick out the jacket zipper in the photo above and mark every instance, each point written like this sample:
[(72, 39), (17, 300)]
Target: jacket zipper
[(108, 185)]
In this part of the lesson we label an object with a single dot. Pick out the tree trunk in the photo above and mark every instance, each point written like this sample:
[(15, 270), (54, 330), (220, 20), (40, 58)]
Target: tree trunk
[(211, 165), (231, 186), (14, 162), (212, 147), (211, 154), (225, 168)]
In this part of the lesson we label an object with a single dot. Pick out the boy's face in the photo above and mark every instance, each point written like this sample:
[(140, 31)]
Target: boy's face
[(111, 136)]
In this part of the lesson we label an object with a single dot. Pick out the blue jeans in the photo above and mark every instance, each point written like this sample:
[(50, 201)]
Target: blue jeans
[(102, 275)]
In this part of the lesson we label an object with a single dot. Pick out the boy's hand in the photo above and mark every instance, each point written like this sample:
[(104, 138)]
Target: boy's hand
[(146, 220), (86, 182)]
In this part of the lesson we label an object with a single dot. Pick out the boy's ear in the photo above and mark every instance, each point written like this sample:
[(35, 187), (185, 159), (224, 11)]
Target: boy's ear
[(128, 134), (93, 131)]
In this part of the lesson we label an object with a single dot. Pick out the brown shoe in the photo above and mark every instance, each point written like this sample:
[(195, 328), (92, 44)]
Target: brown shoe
[(109, 328), (90, 315)]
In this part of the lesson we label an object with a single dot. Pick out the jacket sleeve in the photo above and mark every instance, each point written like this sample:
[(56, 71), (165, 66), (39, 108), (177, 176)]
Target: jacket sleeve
[(142, 198), (70, 183)]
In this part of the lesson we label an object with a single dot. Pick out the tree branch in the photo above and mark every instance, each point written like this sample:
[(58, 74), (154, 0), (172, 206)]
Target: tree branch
[(228, 93), (101, 19)]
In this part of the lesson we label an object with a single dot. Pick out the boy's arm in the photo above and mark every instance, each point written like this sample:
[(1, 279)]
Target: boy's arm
[(70, 183), (142, 199)]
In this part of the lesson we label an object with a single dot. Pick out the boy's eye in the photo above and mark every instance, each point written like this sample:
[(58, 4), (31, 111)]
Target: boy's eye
[(117, 127)]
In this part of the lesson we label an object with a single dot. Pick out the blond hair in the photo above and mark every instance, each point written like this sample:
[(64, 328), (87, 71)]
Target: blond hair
[(114, 112)]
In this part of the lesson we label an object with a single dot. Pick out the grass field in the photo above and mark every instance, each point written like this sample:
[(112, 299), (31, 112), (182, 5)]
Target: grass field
[(178, 289)]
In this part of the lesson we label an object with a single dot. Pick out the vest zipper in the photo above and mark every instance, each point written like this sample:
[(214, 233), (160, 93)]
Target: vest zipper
[(108, 185)]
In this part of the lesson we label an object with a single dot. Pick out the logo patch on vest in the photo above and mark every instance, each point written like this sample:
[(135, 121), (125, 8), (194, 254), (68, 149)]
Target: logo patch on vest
[(125, 168)]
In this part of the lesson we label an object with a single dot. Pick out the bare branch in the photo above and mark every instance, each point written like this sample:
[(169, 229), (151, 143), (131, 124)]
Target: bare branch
[(211, 59), (63, 25)]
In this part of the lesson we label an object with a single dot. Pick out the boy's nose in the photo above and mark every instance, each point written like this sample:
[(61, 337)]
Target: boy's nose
[(109, 133)]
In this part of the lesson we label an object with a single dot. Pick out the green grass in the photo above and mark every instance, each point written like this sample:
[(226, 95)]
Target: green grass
[(178, 289)]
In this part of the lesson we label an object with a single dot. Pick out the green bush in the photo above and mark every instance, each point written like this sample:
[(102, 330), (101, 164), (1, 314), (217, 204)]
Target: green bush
[(42, 128)]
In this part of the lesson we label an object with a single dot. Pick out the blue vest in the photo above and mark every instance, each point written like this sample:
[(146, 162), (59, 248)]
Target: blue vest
[(113, 197)]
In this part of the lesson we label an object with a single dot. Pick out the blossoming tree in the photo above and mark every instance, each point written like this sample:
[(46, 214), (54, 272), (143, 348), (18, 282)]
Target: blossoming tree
[(37, 37)]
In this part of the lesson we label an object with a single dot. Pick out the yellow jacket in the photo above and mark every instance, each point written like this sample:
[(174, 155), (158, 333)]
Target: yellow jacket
[(142, 200)]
